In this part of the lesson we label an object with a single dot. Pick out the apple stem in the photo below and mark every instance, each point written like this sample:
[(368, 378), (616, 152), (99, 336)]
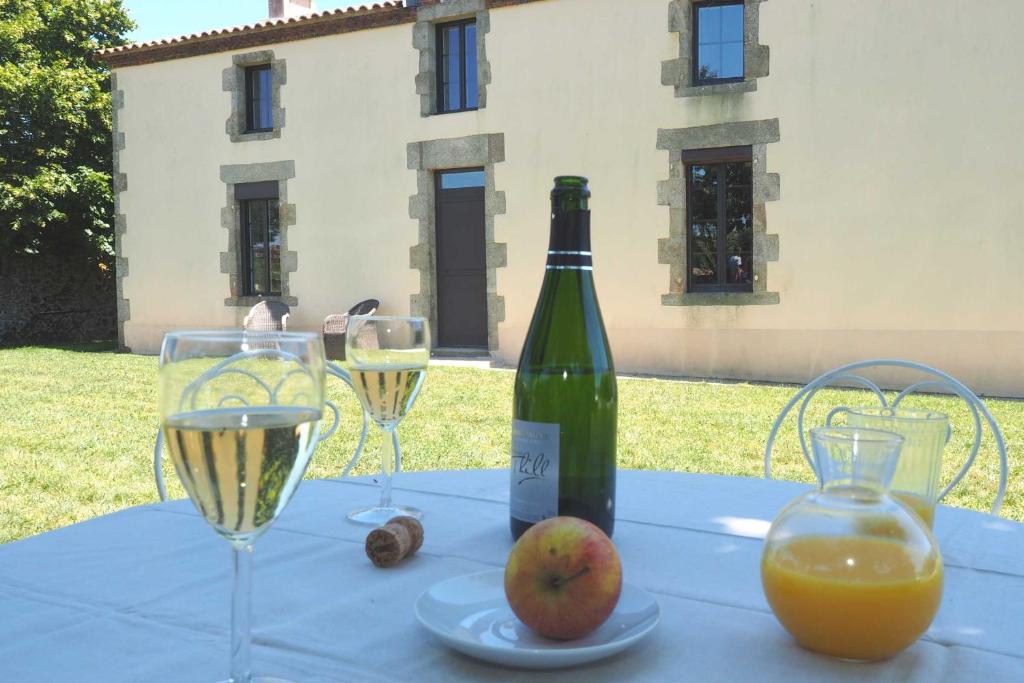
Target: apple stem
[(558, 583)]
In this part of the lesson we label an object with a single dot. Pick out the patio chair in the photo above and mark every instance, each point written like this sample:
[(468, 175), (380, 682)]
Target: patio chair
[(267, 316), (336, 325), (933, 380), (332, 370)]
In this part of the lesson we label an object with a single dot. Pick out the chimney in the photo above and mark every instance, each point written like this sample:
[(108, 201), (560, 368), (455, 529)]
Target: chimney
[(282, 9)]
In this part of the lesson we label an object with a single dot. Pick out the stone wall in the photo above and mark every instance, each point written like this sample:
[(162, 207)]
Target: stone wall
[(52, 299)]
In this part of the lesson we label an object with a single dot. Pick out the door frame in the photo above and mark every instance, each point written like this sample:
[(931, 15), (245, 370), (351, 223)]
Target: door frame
[(425, 157)]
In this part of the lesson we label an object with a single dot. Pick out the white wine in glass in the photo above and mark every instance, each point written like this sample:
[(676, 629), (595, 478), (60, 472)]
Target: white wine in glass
[(386, 391), (236, 464), (387, 358), (240, 414)]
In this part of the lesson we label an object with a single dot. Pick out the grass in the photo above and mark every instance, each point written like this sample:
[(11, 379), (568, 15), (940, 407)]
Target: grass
[(77, 428)]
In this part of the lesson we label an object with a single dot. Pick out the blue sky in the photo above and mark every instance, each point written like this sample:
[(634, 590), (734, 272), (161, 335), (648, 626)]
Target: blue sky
[(168, 18)]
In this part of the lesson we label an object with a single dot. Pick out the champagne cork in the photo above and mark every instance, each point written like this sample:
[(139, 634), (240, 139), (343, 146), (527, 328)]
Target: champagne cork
[(386, 546)]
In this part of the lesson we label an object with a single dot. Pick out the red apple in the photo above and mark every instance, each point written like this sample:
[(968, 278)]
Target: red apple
[(563, 578)]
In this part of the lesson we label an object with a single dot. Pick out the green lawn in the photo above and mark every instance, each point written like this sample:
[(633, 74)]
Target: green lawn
[(77, 428)]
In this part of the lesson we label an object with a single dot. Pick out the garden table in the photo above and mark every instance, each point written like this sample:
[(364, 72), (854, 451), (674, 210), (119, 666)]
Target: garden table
[(143, 594)]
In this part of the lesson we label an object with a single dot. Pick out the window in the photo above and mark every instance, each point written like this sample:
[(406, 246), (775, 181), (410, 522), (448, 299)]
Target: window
[(457, 88), (455, 180), (259, 112), (262, 250), (717, 42), (261, 238), (719, 200), (254, 80)]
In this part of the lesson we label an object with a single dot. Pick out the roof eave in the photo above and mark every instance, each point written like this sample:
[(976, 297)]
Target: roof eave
[(264, 33)]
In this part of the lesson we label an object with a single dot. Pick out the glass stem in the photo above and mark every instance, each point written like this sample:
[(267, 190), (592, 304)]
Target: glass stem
[(241, 614), (388, 448)]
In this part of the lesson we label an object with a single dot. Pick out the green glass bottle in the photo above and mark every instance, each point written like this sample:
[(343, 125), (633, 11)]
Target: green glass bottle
[(566, 400)]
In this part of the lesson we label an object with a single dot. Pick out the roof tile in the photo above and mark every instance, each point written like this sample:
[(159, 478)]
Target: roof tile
[(266, 23)]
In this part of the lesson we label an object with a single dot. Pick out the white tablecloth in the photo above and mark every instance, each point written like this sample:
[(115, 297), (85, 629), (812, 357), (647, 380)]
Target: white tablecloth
[(143, 594)]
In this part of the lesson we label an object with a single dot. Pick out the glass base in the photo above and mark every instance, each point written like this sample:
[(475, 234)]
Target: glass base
[(378, 516)]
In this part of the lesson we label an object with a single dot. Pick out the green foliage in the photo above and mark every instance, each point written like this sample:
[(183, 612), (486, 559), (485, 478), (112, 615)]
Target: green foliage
[(77, 430), (55, 145)]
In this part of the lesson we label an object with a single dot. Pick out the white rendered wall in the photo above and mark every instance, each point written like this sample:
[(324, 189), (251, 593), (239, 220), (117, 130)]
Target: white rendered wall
[(900, 162)]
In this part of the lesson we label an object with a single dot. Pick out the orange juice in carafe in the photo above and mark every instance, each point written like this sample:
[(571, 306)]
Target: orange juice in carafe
[(847, 570), (828, 594)]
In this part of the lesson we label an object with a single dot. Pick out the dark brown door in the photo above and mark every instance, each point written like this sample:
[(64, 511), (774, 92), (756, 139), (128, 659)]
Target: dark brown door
[(461, 260)]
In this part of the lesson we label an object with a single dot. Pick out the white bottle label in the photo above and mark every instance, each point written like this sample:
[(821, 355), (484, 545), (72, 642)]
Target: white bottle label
[(534, 490)]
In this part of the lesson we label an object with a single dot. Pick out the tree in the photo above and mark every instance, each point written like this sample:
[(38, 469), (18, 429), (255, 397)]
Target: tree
[(55, 140)]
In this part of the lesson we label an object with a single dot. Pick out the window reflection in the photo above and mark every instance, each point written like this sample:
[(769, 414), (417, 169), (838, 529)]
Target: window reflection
[(454, 180), (259, 105), (457, 85), (721, 240), (263, 246), (469, 58), (453, 67), (718, 31)]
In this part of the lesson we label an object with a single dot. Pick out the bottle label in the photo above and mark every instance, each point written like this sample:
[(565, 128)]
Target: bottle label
[(534, 491)]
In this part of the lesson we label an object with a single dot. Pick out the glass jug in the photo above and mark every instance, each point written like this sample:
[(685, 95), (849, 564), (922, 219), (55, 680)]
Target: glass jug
[(847, 570), (925, 434)]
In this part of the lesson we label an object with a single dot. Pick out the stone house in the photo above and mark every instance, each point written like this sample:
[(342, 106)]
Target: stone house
[(779, 186)]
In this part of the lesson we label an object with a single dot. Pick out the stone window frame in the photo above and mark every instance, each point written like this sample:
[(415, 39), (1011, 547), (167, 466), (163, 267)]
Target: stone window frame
[(679, 72), (672, 193), (119, 181), (427, 158), (231, 220), (424, 39), (233, 80)]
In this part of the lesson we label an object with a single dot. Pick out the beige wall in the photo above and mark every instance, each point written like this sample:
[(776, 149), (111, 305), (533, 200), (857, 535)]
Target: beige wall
[(900, 160)]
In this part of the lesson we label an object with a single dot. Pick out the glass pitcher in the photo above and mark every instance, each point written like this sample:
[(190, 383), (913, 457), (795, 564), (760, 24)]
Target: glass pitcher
[(847, 570), (925, 434)]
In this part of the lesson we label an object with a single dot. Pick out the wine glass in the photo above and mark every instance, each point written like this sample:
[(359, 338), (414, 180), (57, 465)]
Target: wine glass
[(387, 358), (240, 412)]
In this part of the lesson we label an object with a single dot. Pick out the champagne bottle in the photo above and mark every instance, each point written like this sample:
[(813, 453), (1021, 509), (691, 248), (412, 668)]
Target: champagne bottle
[(565, 405)]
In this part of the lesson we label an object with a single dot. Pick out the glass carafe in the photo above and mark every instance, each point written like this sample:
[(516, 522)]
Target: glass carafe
[(847, 570)]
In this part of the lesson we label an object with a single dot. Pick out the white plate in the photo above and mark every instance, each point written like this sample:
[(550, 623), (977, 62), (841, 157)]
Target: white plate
[(470, 614)]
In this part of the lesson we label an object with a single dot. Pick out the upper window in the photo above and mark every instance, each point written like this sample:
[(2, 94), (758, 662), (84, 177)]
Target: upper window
[(261, 238), (457, 88), (719, 200), (717, 41), (259, 113)]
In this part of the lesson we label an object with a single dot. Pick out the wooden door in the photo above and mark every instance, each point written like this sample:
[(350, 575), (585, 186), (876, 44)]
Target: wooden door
[(461, 260)]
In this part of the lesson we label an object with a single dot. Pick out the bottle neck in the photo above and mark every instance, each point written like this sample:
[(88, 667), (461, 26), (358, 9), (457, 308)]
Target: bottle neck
[(569, 246)]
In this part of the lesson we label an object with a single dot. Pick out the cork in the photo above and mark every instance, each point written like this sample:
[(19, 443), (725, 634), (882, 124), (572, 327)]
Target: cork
[(415, 529), (386, 546)]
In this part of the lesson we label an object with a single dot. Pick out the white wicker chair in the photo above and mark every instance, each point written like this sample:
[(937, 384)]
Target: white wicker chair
[(267, 316), (934, 380)]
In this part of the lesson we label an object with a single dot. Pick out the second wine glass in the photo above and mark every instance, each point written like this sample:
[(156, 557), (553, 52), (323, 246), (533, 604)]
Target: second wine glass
[(387, 358)]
